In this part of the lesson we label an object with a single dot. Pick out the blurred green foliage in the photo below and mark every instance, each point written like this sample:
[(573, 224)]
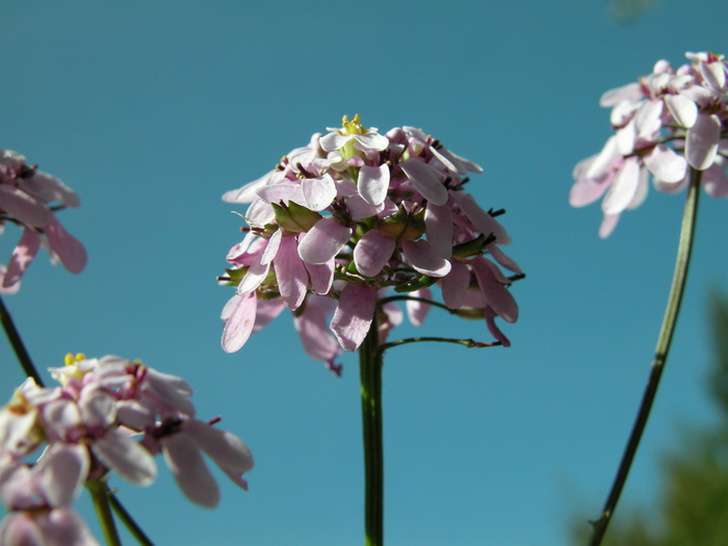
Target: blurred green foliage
[(692, 506), (626, 11)]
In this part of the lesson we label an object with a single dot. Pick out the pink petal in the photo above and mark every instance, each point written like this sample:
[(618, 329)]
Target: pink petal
[(481, 220), (19, 205), (20, 529), (417, 310), (424, 259), (312, 327), (630, 92), (426, 180), (372, 253), (640, 193), (254, 277), (63, 527), (318, 193), (623, 188), (63, 469), (682, 109), (321, 276), (608, 224), (715, 180), (259, 213), (69, 250), (271, 249), (701, 144), (48, 188), (496, 295), (184, 459), (493, 327), (291, 274), (333, 141), (241, 248), (503, 259), (354, 315), (371, 141), (648, 119), (714, 75), (129, 459), (359, 209), (323, 241), (604, 160), (586, 191), (22, 257), (240, 313), (438, 226), (455, 284), (267, 311), (373, 184), (248, 192), (227, 450), (283, 191), (666, 165)]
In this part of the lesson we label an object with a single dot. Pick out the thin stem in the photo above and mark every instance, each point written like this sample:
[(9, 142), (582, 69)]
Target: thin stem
[(370, 369), (128, 521), (469, 343), (21, 352), (18, 346), (464, 313), (682, 262), (100, 496)]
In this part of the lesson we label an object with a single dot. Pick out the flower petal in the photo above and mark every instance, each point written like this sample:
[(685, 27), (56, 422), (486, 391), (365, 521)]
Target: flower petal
[(424, 258), (318, 193), (372, 253), (608, 224), (312, 327), (438, 226), (323, 241), (290, 272), (69, 250), (426, 180), (184, 459), (22, 256), (496, 294), (481, 220), (666, 165), (63, 470), (455, 284), (417, 310), (373, 183), (128, 458), (271, 249), (248, 192), (684, 110), (701, 144), (353, 315), (321, 276), (623, 188), (240, 311), (22, 207)]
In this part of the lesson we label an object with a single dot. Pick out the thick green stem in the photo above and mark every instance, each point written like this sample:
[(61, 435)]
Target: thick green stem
[(370, 370), (100, 496), (685, 246)]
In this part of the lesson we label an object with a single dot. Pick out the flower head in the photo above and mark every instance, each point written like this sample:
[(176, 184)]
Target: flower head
[(30, 198), (351, 215), (666, 122)]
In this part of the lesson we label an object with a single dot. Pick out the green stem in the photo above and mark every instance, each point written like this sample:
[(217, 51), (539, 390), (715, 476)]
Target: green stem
[(682, 262), (128, 521), (469, 343), (370, 369), (100, 496), (18, 346)]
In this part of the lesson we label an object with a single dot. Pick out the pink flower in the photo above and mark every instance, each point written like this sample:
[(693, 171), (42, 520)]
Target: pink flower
[(669, 120), (29, 198), (346, 217)]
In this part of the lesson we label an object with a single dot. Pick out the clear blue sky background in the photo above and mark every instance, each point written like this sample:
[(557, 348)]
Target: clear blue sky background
[(150, 110)]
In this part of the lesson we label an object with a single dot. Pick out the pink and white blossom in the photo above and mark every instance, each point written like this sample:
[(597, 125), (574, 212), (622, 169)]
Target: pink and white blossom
[(354, 213), (668, 122)]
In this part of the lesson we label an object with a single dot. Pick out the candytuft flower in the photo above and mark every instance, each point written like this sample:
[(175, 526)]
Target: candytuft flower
[(667, 121), (29, 198), (339, 222), (107, 415)]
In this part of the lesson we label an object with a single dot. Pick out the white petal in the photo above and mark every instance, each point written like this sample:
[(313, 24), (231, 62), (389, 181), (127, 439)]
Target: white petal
[(426, 180), (373, 184), (623, 188), (130, 460)]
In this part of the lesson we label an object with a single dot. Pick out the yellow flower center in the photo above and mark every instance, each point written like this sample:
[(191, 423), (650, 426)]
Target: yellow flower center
[(353, 126), (70, 359)]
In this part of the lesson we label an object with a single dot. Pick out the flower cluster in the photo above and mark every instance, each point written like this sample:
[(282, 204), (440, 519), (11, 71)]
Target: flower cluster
[(664, 123), (107, 414), (354, 213), (29, 198)]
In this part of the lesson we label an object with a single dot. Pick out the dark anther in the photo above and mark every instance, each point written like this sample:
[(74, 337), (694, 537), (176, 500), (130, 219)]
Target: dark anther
[(495, 213)]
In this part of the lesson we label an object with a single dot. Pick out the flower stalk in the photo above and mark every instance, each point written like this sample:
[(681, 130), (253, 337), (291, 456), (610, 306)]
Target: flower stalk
[(664, 341), (100, 496), (370, 369)]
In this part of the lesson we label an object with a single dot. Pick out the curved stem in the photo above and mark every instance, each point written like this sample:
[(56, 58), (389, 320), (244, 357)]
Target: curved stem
[(469, 343), (128, 521), (664, 340), (18, 346), (464, 313), (100, 496), (370, 370)]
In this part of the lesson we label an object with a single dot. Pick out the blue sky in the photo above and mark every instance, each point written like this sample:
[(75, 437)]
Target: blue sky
[(150, 110)]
